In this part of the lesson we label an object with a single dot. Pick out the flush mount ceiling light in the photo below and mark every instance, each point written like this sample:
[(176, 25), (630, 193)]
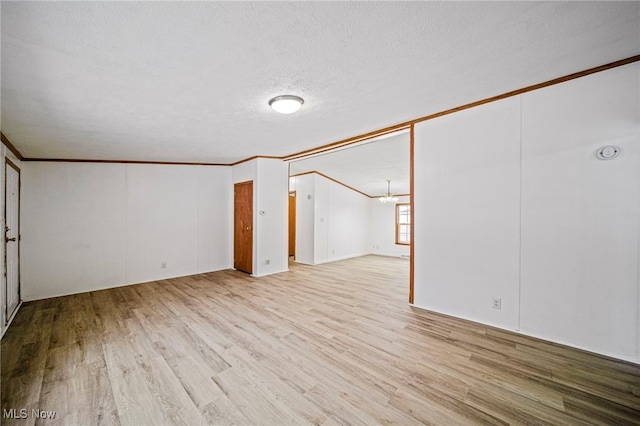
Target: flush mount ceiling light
[(388, 197), (286, 104)]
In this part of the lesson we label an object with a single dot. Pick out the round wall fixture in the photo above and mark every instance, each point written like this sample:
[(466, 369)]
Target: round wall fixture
[(608, 152), (286, 104)]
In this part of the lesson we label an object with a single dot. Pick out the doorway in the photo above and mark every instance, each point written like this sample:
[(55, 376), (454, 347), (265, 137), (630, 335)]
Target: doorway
[(338, 222), (243, 226), (292, 224), (12, 238)]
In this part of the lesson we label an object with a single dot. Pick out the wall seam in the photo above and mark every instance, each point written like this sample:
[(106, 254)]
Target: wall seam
[(520, 165), (126, 223), (638, 241), (197, 218)]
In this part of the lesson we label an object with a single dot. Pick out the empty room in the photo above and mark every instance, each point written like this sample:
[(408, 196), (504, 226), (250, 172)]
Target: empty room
[(328, 213)]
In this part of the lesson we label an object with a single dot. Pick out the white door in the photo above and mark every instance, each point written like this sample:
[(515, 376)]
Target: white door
[(12, 237)]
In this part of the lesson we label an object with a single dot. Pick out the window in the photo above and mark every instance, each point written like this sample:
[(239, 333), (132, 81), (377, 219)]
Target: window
[(403, 224)]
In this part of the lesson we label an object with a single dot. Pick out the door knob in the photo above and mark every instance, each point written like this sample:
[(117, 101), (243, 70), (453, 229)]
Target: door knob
[(9, 239), (248, 228)]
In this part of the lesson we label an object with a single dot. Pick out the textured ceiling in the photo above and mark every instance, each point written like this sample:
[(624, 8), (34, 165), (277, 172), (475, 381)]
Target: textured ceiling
[(386, 158), (190, 81)]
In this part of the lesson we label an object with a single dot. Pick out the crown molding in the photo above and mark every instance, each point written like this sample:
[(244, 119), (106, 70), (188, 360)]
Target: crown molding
[(11, 147), (409, 124), (360, 138), (343, 184)]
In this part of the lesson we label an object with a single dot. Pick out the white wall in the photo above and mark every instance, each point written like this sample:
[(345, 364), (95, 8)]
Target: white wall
[(467, 245), (163, 223), (511, 202), (215, 201), (244, 172), (272, 211), (305, 217), (270, 196), (340, 218), (382, 232), (346, 222), (321, 220), (580, 214), (74, 233), (89, 226)]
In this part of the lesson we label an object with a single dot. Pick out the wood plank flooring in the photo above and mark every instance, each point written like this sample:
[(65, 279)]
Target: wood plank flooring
[(330, 344)]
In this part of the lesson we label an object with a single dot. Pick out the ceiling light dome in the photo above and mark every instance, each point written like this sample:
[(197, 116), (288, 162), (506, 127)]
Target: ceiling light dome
[(286, 104)]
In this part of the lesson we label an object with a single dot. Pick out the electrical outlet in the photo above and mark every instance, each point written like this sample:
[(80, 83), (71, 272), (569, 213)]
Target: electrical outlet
[(163, 265), (496, 303)]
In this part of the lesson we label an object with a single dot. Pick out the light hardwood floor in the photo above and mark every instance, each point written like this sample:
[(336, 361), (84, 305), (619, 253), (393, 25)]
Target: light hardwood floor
[(331, 344)]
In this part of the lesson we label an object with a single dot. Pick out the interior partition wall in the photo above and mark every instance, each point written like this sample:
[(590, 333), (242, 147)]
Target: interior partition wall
[(513, 205)]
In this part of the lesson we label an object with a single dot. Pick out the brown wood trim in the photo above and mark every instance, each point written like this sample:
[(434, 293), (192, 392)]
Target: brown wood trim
[(366, 136), (409, 124), (412, 191), (272, 157), (532, 87), (10, 146), (12, 164), (171, 163), (344, 142), (176, 163), (290, 236), (302, 174), (343, 184), (334, 180)]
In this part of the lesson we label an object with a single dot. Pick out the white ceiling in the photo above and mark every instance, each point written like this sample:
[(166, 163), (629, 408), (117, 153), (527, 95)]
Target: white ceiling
[(190, 81)]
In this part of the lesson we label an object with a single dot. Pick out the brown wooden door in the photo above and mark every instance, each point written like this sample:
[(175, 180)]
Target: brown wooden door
[(292, 223), (243, 227)]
